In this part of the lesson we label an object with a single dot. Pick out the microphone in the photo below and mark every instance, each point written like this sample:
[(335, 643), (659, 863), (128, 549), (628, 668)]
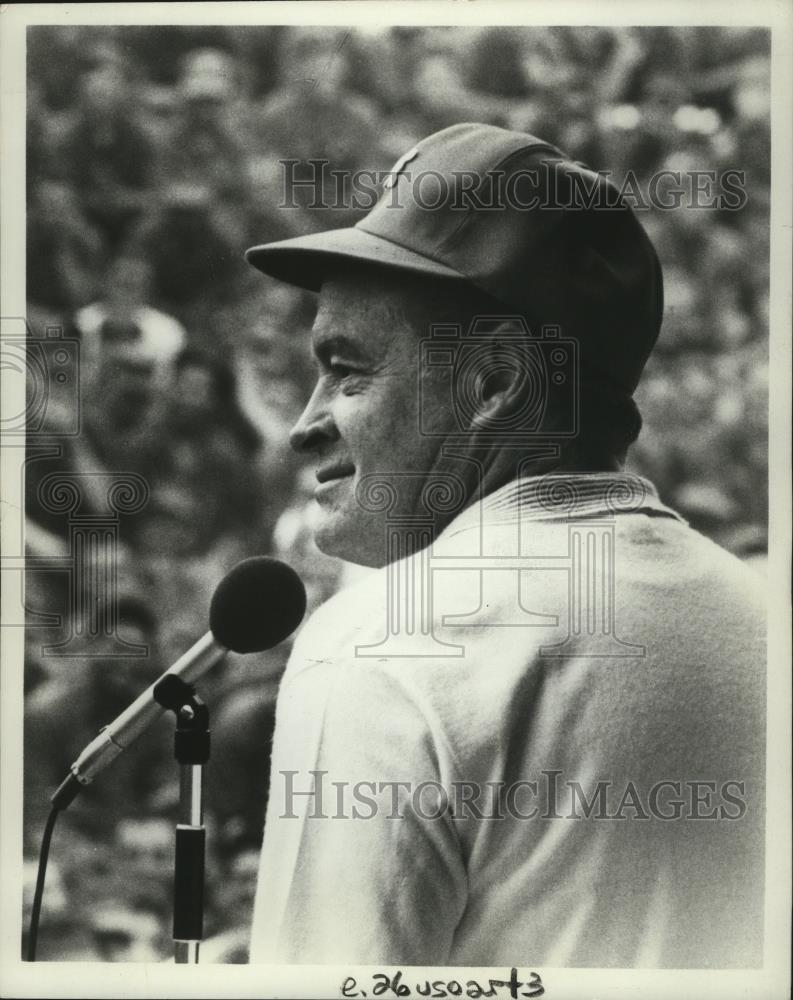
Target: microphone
[(255, 606)]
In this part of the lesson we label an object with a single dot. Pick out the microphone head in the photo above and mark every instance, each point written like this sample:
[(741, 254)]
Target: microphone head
[(256, 605)]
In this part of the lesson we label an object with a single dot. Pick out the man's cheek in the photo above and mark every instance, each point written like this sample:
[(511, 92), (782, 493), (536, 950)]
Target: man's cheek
[(355, 418)]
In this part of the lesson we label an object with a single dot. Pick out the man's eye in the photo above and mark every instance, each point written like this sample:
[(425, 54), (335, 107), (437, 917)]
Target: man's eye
[(339, 370)]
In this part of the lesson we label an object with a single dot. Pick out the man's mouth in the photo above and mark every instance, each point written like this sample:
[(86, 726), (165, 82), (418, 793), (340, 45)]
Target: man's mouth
[(338, 471)]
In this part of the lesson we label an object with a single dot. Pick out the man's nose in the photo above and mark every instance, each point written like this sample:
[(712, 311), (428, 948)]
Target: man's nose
[(315, 427)]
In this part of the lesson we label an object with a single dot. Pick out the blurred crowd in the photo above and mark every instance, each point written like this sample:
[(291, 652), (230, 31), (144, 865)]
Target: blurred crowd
[(153, 160)]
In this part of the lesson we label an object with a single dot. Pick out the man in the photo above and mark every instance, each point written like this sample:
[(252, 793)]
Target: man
[(123, 313), (534, 735)]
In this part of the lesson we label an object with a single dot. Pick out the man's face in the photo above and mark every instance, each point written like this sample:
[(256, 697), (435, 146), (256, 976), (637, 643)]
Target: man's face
[(363, 416)]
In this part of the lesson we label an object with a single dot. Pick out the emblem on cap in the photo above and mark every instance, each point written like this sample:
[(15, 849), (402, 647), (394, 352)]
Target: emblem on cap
[(398, 167)]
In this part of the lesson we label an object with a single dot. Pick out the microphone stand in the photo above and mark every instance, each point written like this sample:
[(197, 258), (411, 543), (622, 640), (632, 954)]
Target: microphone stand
[(191, 749)]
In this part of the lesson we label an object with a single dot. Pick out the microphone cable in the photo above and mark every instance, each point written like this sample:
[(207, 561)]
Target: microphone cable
[(44, 853), (63, 796)]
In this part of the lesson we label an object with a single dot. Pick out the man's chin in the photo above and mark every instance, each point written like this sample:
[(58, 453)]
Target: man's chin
[(349, 539)]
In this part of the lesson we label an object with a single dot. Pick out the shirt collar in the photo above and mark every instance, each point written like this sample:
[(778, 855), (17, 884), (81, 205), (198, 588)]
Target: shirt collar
[(566, 496)]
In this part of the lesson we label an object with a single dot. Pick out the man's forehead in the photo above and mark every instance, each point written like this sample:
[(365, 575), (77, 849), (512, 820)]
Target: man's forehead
[(339, 315), (364, 289)]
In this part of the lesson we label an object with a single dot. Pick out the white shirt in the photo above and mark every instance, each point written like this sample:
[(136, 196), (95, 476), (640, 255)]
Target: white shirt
[(678, 698)]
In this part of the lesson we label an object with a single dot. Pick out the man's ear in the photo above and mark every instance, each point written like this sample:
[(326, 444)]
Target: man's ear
[(505, 379)]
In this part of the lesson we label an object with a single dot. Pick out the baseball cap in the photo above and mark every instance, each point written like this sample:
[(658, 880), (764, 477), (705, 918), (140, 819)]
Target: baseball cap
[(518, 219)]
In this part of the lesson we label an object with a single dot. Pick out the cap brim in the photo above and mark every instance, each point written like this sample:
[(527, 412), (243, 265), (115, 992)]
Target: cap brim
[(306, 260)]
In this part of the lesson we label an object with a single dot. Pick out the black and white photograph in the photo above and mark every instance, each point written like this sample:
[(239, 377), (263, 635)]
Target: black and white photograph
[(396, 500)]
